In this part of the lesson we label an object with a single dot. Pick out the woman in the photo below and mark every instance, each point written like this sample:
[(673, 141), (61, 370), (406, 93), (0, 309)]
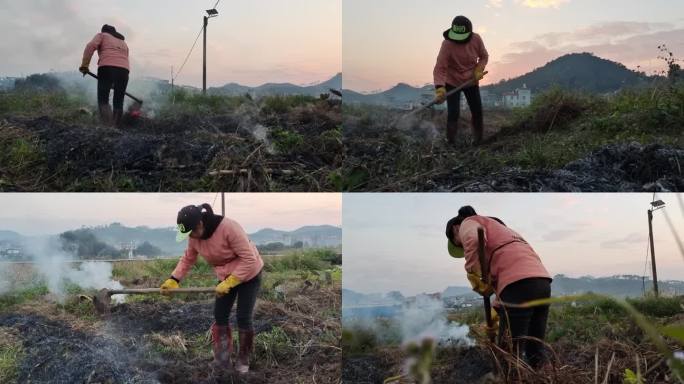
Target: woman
[(516, 273), (112, 71), (224, 244), (462, 60)]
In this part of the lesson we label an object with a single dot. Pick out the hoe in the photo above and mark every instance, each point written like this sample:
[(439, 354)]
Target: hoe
[(103, 299)]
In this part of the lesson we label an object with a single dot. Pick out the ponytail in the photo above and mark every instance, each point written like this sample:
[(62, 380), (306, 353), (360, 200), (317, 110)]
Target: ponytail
[(207, 208)]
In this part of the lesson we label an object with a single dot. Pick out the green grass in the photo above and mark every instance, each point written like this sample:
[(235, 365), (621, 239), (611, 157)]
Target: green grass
[(9, 300), (182, 102), (60, 104), (562, 126), (11, 353), (278, 104), (273, 346)]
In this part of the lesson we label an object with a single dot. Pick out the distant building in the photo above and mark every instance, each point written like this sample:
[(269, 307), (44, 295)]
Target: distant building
[(521, 97)]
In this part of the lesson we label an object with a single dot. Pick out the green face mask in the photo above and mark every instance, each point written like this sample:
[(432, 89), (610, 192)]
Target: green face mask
[(181, 235), (454, 251)]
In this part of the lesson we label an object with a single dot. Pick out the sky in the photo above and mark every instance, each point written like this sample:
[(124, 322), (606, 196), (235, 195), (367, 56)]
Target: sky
[(397, 241), (250, 42), (385, 42), (34, 214)]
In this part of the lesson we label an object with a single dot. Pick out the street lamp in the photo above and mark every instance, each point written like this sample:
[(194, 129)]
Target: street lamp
[(210, 13), (655, 205)]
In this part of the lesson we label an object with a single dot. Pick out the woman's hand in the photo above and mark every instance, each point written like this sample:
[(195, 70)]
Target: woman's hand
[(84, 68), (480, 286), (169, 284), (226, 285), (440, 95)]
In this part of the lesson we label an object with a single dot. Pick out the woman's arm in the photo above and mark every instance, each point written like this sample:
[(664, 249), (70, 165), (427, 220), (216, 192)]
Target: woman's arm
[(440, 71), (469, 239), (91, 47), (185, 263), (243, 248), (483, 56)]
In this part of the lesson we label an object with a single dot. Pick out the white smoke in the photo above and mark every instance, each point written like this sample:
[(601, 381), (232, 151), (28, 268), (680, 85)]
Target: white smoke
[(426, 318), (416, 320), (58, 270)]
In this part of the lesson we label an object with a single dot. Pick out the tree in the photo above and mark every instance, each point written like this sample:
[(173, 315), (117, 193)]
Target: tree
[(148, 249), (83, 244)]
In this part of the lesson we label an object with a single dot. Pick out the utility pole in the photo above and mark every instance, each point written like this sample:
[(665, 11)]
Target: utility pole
[(223, 204), (204, 61), (655, 205), (653, 260), (210, 13)]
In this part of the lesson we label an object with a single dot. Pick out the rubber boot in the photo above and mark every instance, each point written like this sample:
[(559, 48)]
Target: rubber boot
[(222, 343), (118, 114), (246, 346), (452, 128), (105, 114)]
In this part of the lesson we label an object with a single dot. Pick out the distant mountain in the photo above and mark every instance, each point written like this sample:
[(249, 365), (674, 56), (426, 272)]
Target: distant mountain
[(163, 240), (457, 291), (401, 95), (149, 86), (318, 235), (10, 236), (577, 71), (620, 286), (617, 286), (351, 298), (234, 89)]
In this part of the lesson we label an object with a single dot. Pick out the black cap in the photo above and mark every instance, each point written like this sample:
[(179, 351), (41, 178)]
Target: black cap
[(461, 30), (188, 218)]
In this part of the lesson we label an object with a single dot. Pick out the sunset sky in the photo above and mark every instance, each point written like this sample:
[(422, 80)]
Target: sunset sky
[(250, 42), (397, 241), (51, 213), (391, 41)]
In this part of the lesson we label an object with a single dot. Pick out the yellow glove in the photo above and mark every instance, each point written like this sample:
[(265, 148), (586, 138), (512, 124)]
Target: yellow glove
[(479, 74), (480, 287), (85, 64), (225, 286), (494, 329), (169, 284), (440, 95)]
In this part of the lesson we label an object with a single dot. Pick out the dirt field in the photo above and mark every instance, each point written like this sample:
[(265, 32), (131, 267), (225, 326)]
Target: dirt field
[(243, 150), (152, 339)]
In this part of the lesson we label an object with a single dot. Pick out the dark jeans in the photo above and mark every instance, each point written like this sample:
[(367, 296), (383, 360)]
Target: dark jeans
[(525, 321), (246, 294), (108, 78), (472, 95)]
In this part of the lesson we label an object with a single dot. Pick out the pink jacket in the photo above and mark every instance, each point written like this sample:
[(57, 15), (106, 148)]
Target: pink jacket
[(456, 62), (111, 51), (509, 256), (228, 250)]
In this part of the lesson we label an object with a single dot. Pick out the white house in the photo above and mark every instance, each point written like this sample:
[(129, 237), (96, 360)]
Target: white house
[(521, 97)]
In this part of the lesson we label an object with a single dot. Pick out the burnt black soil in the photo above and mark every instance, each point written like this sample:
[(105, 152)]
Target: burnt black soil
[(613, 168), (57, 353), (453, 365), (365, 369), (184, 153)]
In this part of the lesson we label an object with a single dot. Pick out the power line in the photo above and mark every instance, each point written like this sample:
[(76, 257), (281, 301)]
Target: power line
[(192, 48), (189, 53)]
